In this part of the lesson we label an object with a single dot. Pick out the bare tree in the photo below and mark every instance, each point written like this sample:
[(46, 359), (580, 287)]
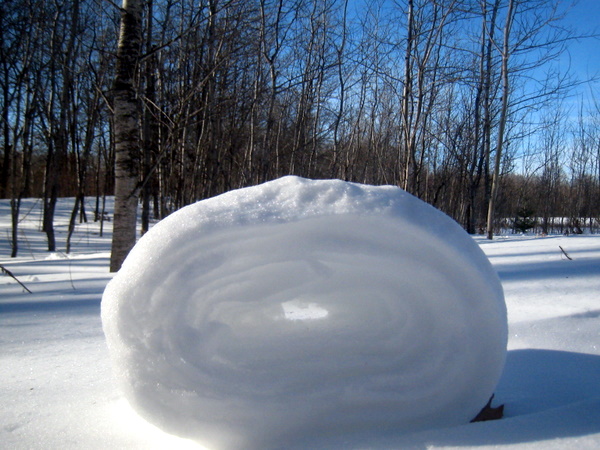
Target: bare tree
[(426, 25), (505, 53), (422, 94), (149, 121), (127, 133), (19, 105)]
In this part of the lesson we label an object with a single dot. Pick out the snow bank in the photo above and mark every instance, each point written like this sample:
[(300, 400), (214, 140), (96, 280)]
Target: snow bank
[(306, 313)]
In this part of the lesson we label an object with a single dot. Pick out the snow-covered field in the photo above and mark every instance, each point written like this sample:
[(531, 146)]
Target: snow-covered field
[(57, 388)]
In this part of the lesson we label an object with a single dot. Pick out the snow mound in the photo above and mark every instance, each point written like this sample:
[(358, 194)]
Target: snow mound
[(306, 313)]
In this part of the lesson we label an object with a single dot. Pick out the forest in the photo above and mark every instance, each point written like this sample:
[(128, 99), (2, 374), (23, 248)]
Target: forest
[(462, 103)]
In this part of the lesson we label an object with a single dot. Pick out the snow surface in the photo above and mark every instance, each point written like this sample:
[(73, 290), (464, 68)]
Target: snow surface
[(320, 313), (58, 391)]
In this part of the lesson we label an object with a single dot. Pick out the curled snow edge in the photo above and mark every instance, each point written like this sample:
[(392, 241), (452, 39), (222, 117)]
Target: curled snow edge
[(306, 313)]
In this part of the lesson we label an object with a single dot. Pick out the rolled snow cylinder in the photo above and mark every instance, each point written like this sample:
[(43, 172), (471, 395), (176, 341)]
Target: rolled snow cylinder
[(306, 313)]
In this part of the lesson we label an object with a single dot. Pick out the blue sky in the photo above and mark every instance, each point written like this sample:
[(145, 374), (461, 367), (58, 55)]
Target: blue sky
[(584, 54)]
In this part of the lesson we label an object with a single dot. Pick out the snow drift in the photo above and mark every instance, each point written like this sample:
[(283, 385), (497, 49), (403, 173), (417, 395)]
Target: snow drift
[(307, 313)]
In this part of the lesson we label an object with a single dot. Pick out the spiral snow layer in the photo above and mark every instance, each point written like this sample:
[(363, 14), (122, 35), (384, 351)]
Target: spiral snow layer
[(310, 314)]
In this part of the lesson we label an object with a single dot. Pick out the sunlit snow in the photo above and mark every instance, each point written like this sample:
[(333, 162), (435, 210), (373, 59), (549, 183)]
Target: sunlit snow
[(58, 390), (297, 310), (314, 312)]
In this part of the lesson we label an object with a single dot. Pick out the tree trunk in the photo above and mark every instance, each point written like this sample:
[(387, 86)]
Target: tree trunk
[(71, 229), (127, 133), (149, 126), (502, 124), (407, 156), (15, 206)]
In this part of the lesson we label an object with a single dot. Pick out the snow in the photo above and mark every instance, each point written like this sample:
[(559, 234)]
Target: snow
[(302, 309), (58, 390)]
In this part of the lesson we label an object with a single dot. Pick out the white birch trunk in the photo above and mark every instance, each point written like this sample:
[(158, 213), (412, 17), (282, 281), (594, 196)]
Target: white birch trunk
[(127, 133)]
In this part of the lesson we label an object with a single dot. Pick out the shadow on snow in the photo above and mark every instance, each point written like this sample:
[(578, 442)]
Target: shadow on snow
[(90, 306), (548, 269), (547, 395)]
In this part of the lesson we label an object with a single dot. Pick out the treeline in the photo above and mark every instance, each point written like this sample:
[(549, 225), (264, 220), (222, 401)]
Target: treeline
[(432, 96)]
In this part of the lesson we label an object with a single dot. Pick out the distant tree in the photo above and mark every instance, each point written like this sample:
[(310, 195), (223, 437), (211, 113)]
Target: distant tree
[(19, 100), (60, 107), (423, 77), (221, 94), (505, 51), (531, 38), (477, 167), (149, 123), (524, 220)]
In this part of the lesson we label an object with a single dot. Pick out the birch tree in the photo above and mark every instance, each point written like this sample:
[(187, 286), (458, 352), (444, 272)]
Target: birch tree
[(127, 133)]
